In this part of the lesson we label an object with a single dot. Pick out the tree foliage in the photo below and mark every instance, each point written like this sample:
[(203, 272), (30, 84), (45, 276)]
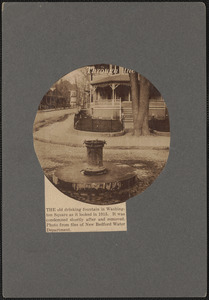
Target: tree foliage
[(64, 87)]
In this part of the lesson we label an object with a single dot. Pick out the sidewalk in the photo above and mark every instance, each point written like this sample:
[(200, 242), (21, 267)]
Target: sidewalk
[(63, 133)]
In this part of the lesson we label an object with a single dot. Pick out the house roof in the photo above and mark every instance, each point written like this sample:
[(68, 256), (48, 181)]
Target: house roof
[(122, 78), (112, 79)]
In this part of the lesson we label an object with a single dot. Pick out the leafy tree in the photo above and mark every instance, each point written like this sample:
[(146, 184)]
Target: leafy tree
[(64, 87)]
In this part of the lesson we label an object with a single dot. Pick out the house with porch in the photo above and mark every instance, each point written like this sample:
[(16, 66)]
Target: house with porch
[(110, 95), (110, 99)]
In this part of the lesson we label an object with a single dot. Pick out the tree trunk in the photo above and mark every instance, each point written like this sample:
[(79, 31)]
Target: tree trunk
[(140, 104), (135, 98), (144, 104), (145, 126)]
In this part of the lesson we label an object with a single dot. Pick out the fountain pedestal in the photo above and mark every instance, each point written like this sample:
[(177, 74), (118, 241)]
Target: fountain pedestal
[(94, 158)]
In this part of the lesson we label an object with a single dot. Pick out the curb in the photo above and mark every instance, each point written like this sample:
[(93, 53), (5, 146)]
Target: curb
[(106, 147)]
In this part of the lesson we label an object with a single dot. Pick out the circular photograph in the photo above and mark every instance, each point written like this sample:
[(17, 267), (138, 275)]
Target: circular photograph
[(102, 134)]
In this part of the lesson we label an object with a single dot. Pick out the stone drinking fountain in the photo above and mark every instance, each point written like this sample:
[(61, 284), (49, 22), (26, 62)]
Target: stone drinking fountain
[(95, 181), (95, 158)]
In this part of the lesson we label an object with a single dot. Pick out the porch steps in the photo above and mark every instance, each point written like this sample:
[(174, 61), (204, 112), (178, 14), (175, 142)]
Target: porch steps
[(127, 111), (128, 116)]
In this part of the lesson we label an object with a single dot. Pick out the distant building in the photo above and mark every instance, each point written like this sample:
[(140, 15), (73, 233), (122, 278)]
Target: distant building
[(53, 99), (73, 98)]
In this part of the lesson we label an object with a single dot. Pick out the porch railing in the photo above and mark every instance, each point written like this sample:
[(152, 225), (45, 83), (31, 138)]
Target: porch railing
[(107, 104)]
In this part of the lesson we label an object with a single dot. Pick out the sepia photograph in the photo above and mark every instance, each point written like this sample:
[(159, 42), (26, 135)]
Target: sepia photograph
[(102, 134), (104, 191)]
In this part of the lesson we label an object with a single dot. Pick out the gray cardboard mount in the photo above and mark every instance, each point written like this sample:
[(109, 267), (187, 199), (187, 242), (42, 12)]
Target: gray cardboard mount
[(163, 253)]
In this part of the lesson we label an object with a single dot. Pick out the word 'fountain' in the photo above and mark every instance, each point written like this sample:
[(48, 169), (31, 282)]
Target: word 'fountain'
[(96, 182)]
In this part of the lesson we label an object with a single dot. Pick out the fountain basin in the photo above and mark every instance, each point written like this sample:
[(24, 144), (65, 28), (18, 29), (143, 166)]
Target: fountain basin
[(118, 183)]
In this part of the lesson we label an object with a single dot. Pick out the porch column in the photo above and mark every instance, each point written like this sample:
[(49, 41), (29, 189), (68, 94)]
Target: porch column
[(113, 92), (129, 95), (90, 95), (94, 93), (121, 70)]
